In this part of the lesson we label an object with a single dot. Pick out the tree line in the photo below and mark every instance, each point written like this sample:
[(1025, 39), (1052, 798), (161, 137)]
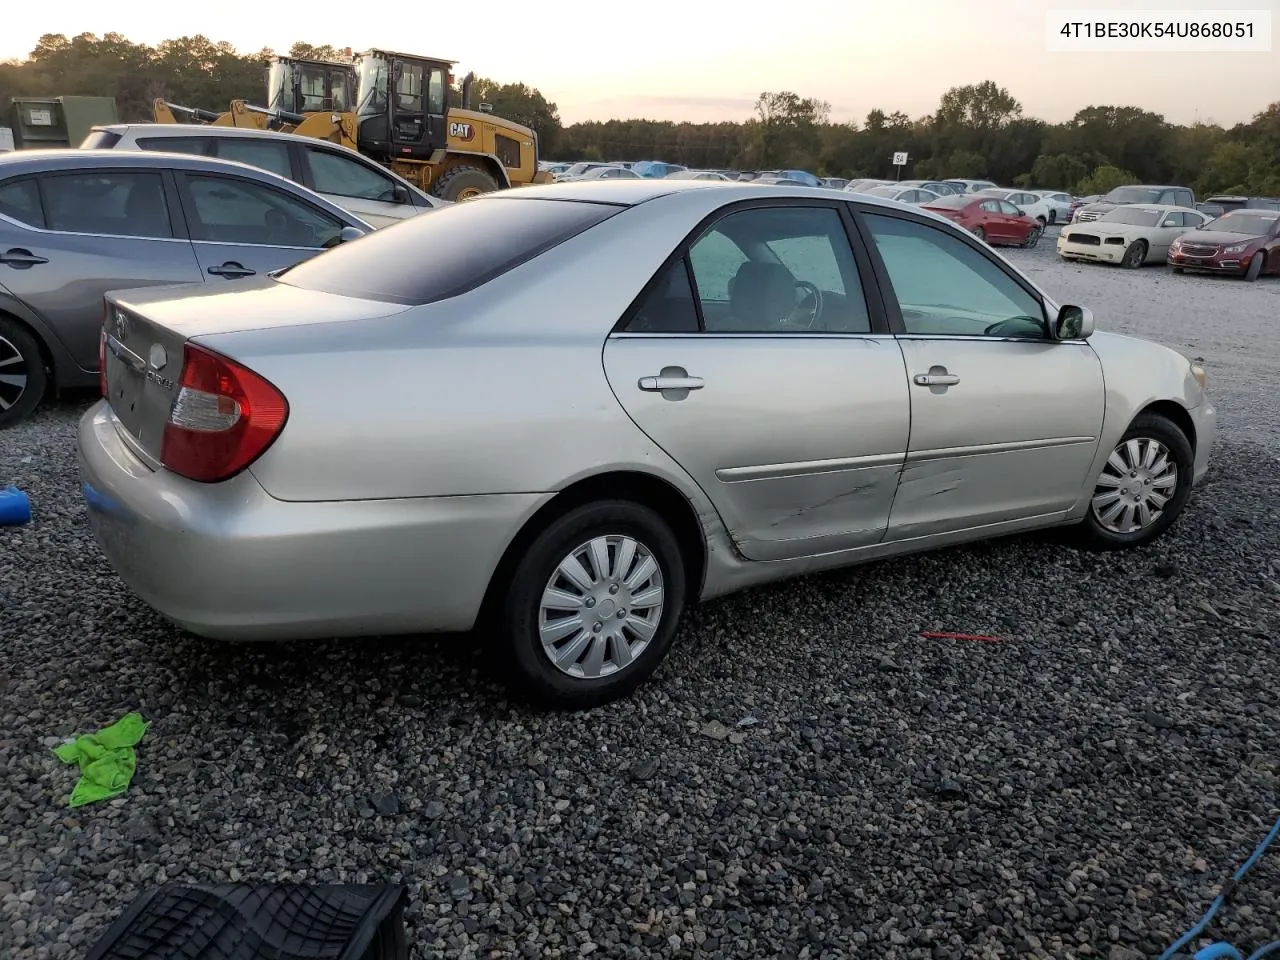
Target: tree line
[(977, 131)]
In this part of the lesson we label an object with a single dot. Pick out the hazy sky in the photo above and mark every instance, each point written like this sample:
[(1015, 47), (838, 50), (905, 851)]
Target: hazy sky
[(609, 59)]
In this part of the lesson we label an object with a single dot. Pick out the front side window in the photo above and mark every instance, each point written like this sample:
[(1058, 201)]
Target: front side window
[(110, 203), (344, 177), (1008, 209), (237, 211), (20, 200), (946, 288), (779, 270)]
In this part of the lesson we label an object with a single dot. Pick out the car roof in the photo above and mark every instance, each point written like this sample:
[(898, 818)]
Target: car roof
[(209, 130), (629, 193)]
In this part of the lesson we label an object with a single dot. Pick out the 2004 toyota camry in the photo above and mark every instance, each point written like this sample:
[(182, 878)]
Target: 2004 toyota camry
[(573, 409)]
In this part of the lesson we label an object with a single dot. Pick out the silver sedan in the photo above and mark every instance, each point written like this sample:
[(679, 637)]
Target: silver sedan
[(568, 412)]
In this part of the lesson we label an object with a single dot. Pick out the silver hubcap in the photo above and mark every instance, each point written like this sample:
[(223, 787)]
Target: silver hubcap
[(601, 607), (1139, 479), (13, 374)]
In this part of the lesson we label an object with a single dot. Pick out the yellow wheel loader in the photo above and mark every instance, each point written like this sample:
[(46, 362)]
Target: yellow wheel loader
[(401, 118)]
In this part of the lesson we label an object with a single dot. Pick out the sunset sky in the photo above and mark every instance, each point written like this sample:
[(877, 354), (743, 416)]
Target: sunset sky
[(703, 60)]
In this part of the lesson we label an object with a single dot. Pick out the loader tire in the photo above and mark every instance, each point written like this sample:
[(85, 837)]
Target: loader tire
[(463, 183)]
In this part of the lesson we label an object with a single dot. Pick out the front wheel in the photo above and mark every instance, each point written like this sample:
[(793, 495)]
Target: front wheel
[(1255, 266), (1034, 236), (594, 604), (1143, 487), (1135, 256), (980, 234)]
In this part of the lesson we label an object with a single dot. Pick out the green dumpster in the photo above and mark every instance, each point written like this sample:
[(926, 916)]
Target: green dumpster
[(54, 122)]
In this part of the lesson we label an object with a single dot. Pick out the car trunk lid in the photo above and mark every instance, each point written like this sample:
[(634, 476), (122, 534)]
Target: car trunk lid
[(145, 331)]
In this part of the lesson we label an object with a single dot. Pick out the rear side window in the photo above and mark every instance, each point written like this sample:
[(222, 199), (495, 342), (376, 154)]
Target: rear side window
[(457, 248), (262, 154), (197, 145), (110, 203), (20, 200)]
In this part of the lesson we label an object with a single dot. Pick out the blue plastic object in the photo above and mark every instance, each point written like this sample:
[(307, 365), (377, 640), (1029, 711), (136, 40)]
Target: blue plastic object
[(15, 508)]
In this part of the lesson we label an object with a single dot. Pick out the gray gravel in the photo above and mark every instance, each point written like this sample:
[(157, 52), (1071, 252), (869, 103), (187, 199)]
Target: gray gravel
[(806, 777)]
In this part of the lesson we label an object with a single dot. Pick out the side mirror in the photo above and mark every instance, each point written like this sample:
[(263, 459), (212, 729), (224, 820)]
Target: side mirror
[(350, 233), (1073, 323), (401, 194)]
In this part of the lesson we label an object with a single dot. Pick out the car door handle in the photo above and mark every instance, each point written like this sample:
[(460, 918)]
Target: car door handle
[(231, 270), (936, 379), (17, 257), (655, 384)]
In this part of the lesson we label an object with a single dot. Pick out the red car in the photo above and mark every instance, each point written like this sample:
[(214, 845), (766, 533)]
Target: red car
[(989, 219), (1243, 242)]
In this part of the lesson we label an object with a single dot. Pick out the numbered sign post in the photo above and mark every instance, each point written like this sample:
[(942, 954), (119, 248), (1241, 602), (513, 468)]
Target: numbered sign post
[(899, 161)]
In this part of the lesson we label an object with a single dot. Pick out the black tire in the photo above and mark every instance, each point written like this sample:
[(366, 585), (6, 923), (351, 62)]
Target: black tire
[(520, 612), (1135, 256), (1033, 237), (1254, 270), (1053, 217), (1147, 426), (20, 354), (980, 234), (1178, 270), (462, 182)]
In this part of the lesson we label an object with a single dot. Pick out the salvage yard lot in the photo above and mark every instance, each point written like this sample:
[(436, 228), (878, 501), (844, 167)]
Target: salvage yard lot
[(1076, 790)]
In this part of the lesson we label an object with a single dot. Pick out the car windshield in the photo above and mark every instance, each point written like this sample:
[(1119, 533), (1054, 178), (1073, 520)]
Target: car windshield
[(1247, 224), (1134, 195), (1132, 215), (950, 202), (278, 77), (371, 87)]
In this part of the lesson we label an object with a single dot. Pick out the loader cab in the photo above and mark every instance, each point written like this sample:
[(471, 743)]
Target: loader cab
[(310, 86), (402, 105)]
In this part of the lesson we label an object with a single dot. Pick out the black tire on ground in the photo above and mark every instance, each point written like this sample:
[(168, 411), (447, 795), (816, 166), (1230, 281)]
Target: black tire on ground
[(1177, 270), (1145, 427), (519, 615), (458, 183), (1135, 256), (980, 233), (1053, 216), (20, 354), (1034, 236), (1254, 270)]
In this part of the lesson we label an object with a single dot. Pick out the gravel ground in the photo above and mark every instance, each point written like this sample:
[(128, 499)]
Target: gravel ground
[(1077, 790)]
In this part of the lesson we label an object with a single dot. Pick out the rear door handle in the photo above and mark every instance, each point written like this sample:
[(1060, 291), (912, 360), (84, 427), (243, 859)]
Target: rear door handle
[(936, 379), (17, 257), (656, 384), (231, 270)]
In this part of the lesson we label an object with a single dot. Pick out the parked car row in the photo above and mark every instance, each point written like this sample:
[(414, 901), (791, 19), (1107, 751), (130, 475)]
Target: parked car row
[(646, 320)]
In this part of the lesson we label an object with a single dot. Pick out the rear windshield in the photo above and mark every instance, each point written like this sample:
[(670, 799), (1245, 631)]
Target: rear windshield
[(446, 252), (100, 140)]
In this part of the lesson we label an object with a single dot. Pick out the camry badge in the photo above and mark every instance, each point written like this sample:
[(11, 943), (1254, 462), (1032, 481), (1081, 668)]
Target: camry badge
[(158, 357)]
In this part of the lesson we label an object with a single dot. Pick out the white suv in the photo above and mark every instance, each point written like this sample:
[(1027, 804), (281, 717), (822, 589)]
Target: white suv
[(343, 177)]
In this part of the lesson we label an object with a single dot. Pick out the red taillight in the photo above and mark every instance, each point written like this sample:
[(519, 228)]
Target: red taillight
[(224, 417)]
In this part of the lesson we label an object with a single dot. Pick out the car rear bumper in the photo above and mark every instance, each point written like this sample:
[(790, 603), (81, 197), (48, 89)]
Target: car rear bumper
[(229, 561)]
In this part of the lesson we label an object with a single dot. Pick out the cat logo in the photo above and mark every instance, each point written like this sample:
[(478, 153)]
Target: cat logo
[(463, 131)]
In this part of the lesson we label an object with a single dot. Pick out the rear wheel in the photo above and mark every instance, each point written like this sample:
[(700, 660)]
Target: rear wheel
[(1143, 487), (1254, 270), (594, 604), (22, 375), (1135, 256), (463, 183)]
